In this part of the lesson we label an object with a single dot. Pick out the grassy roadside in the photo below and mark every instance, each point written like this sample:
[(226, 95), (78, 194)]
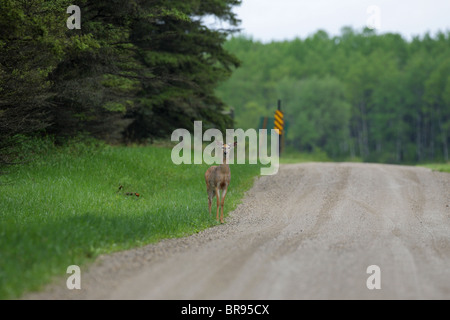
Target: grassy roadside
[(297, 157), (292, 158), (289, 157), (66, 208), (441, 167)]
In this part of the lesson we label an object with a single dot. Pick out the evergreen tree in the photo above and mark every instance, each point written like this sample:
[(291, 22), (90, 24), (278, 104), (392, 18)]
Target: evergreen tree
[(31, 42), (139, 68)]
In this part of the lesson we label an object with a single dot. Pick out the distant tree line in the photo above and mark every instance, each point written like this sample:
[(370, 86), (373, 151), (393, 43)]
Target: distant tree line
[(377, 97), (136, 69)]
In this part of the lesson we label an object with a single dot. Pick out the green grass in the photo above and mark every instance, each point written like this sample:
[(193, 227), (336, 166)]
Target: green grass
[(442, 167), (297, 157), (291, 156), (66, 208)]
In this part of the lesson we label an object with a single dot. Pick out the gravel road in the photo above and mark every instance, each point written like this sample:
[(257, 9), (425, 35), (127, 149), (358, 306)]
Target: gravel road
[(309, 232)]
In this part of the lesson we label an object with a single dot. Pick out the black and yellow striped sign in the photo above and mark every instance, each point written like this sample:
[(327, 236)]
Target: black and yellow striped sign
[(279, 122)]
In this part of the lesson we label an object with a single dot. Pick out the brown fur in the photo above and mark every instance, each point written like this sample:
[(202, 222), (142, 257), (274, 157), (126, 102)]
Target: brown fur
[(218, 179)]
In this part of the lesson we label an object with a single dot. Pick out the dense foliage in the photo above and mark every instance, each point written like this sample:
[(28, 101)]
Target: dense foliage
[(375, 97), (136, 68)]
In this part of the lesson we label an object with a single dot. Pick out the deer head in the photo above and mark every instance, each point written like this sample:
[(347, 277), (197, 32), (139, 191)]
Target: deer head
[(226, 148)]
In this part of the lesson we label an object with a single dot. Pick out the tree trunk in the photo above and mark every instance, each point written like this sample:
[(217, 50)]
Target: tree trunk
[(364, 131), (418, 137), (444, 137)]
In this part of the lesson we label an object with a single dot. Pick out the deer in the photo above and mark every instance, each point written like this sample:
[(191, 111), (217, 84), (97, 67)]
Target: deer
[(218, 179)]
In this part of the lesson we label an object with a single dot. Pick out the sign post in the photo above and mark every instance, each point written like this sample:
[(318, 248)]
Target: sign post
[(279, 125)]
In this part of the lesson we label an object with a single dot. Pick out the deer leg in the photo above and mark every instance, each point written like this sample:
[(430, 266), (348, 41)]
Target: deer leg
[(218, 203), (210, 197), (209, 203), (222, 203)]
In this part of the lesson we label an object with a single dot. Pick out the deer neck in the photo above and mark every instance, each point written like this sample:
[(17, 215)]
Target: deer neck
[(224, 167)]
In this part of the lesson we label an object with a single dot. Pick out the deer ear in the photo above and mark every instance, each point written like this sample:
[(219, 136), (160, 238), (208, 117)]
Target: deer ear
[(235, 144)]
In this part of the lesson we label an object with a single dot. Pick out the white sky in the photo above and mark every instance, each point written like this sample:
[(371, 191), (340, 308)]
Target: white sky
[(268, 20)]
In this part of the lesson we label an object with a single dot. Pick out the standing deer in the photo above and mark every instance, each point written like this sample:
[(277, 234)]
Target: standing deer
[(218, 178)]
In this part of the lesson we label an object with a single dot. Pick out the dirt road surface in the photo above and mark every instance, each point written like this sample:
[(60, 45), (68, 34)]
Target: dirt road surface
[(309, 232)]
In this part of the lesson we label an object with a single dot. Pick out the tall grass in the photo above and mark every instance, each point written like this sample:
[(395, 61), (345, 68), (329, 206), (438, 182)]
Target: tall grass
[(66, 208)]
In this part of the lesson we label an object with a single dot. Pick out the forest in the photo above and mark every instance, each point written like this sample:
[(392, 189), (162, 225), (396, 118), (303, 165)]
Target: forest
[(138, 69), (373, 97), (134, 71)]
